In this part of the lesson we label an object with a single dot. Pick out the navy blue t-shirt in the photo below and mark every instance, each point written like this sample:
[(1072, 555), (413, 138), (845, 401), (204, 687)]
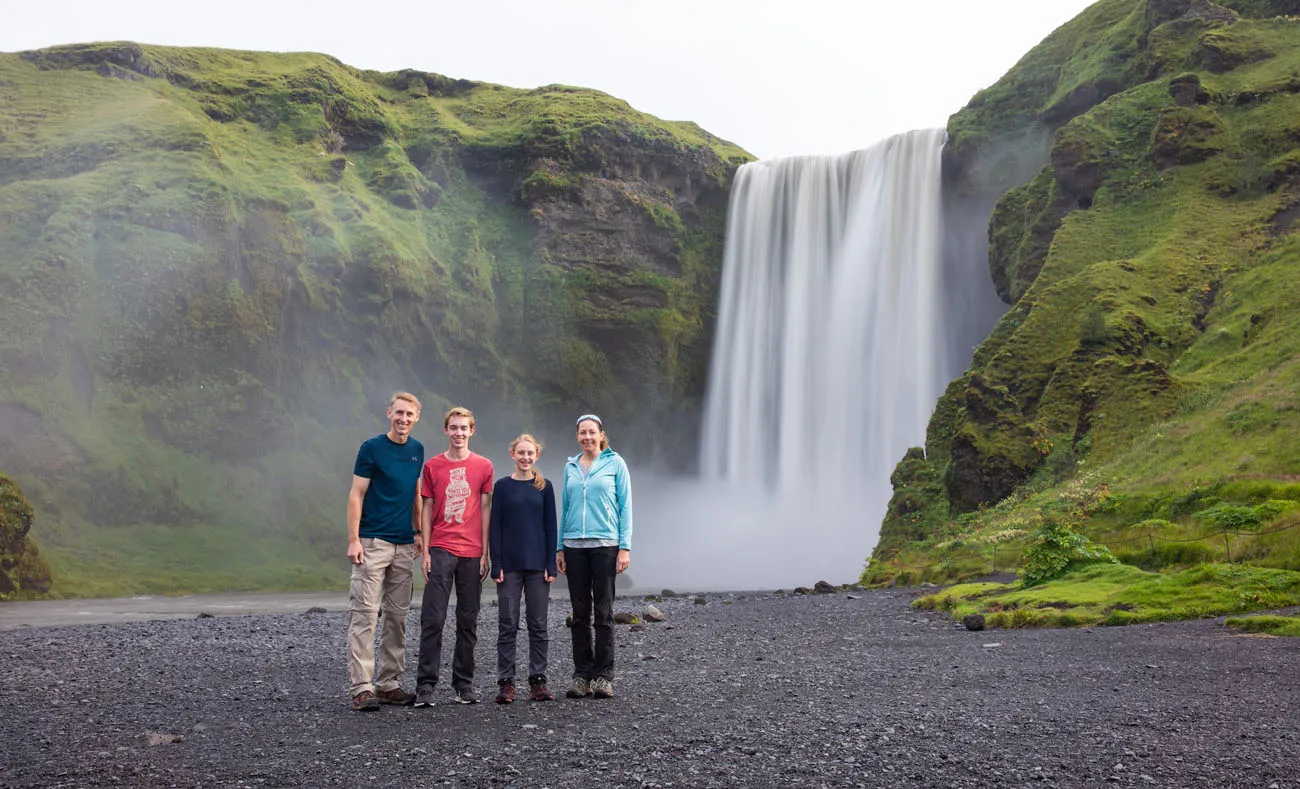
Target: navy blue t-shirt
[(394, 473)]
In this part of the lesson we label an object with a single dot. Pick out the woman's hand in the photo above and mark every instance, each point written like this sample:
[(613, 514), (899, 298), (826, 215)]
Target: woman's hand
[(547, 577), (559, 562), (624, 561), (500, 577)]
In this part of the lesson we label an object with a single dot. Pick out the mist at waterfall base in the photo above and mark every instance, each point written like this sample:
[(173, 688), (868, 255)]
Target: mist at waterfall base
[(844, 312)]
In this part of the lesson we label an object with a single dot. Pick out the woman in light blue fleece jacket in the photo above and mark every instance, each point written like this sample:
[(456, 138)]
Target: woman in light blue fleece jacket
[(595, 544)]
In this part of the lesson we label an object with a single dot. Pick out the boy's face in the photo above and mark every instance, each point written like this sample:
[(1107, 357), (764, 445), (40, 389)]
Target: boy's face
[(458, 431)]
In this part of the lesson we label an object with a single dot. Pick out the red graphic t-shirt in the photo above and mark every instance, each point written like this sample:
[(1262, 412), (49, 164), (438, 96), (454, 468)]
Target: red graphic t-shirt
[(453, 488)]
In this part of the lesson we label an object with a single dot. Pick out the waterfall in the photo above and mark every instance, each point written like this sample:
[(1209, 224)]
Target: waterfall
[(828, 356), (845, 309)]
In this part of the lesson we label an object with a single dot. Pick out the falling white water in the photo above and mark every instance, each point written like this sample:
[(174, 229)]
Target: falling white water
[(842, 317), (827, 360)]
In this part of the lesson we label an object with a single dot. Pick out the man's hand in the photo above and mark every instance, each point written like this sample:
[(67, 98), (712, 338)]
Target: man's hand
[(546, 576), (624, 561), (559, 562), (500, 577), (419, 543), (425, 566), (484, 564), (356, 553)]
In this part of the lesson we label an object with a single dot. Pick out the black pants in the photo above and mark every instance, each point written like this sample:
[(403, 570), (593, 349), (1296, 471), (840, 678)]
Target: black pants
[(444, 569), (536, 592), (591, 574)]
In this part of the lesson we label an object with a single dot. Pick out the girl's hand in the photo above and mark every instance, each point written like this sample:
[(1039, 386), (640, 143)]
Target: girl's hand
[(624, 561), (547, 577), (500, 577)]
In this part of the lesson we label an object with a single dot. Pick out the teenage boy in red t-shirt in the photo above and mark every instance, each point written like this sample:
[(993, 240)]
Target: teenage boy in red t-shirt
[(456, 486)]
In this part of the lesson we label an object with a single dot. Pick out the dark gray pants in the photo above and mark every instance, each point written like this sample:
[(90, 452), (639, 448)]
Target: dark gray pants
[(444, 570), (537, 595)]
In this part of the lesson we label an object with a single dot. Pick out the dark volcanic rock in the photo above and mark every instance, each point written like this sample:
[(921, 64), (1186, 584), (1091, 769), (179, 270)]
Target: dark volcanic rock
[(973, 622), (797, 691)]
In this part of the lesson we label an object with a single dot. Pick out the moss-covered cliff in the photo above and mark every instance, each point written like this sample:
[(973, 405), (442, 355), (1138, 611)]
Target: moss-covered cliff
[(1144, 164), (23, 572), (216, 265)]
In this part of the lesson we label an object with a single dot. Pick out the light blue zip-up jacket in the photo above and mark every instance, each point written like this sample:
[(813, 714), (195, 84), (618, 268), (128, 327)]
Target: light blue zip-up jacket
[(599, 505)]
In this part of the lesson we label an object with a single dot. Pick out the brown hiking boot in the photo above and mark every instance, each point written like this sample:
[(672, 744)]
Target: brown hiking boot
[(396, 696), (506, 694), (538, 690), (365, 701)]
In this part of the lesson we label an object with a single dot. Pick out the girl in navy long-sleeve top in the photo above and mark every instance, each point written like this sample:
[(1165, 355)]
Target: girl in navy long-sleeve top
[(522, 534)]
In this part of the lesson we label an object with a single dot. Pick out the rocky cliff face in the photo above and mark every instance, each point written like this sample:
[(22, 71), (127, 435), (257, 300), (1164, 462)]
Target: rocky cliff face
[(1136, 169), (217, 266), (23, 573)]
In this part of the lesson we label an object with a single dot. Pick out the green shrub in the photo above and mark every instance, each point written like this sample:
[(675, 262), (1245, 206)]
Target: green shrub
[(1055, 548)]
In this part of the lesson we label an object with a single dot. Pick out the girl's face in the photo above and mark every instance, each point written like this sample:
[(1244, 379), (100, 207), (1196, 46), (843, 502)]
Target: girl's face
[(589, 435), (524, 455)]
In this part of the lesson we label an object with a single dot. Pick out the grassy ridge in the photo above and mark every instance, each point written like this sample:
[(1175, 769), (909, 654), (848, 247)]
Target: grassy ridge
[(216, 265), (1143, 385)]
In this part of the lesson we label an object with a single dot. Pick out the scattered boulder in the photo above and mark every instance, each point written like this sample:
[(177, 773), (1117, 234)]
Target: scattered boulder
[(822, 587), (668, 593), (152, 738), (973, 622), (636, 628), (626, 618), (802, 590), (316, 610), (652, 614), (701, 601), (203, 615)]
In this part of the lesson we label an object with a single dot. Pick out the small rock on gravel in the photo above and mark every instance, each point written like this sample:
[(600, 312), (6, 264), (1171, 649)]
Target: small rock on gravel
[(973, 622), (652, 614), (823, 587)]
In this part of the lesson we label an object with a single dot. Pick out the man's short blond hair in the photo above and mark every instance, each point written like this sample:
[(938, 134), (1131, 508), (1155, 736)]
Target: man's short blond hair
[(458, 411), (408, 397)]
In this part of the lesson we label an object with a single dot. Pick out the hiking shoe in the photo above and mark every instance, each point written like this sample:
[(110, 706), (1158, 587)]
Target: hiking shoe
[(466, 696), (602, 688), (424, 697), (538, 689), (506, 695), (580, 689), (396, 696), (365, 701)]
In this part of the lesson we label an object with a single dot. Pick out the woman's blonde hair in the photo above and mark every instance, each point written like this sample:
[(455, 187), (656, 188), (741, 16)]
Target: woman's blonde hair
[(538, 482)]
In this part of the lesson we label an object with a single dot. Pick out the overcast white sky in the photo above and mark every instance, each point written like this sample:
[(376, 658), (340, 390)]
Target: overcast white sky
[(777, 78)]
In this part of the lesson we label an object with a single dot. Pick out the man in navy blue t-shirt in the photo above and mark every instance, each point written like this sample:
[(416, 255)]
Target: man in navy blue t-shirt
[(383, 530)]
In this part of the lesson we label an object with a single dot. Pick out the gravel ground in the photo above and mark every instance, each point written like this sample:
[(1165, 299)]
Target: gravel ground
[(751, 690)]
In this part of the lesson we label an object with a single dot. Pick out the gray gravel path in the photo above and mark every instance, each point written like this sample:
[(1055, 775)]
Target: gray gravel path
[(754, 690)]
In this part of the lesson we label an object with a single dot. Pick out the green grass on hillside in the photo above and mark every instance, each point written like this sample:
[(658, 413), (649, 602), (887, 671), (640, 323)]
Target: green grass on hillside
[(1121, 595), (1145, 382), (215, 266)]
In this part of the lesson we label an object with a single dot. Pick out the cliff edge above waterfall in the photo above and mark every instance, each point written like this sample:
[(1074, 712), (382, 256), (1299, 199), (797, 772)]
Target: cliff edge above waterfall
[(1141, 172)]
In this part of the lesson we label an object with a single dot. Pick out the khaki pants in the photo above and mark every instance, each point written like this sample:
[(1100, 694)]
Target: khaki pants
[(381, 582)]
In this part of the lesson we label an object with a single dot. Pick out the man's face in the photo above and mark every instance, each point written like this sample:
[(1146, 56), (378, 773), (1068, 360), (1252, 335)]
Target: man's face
[(402, 416), (458, 431)]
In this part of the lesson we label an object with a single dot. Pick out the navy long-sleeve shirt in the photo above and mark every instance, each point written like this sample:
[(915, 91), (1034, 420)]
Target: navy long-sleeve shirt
[(522, 526)]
